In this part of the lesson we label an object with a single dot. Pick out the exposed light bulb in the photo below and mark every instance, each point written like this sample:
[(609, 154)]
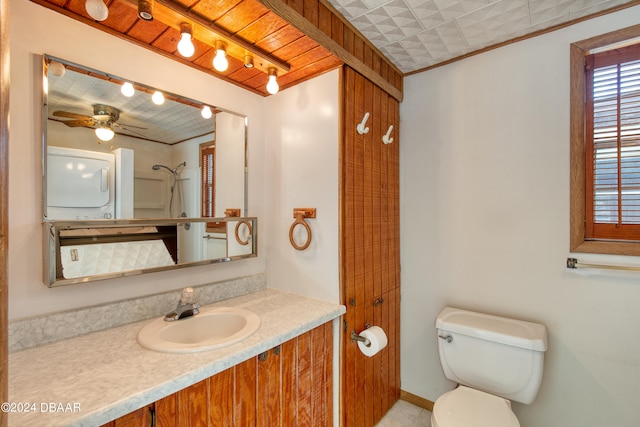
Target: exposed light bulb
[(96, 9), (57, 69), (272, 84), (127, 89), (220, 61), (206, 112), (105, 133), (157, 98), (185, 45)]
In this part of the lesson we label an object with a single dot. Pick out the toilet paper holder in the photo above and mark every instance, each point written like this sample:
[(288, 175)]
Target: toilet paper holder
[(356, 337)]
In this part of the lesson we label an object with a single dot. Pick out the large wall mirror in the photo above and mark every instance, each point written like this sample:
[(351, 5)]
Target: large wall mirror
[(121, 156)]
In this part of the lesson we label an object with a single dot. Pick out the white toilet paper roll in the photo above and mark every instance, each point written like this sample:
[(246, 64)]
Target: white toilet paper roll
[(377, 338)]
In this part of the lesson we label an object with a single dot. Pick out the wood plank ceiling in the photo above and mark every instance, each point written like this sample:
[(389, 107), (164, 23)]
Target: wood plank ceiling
[(247, 24)]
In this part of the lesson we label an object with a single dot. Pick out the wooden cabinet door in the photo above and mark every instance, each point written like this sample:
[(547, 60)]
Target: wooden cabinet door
[(221, 394), (193, 405), (269, 389), (244, 398), (140, 418), (287, 386)]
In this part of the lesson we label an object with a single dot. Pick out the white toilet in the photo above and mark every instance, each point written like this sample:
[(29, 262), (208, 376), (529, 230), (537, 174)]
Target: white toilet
[(494, 360)]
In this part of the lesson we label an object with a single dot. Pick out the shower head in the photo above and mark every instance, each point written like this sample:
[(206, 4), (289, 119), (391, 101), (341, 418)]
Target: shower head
[(173, 171), (157, 168)]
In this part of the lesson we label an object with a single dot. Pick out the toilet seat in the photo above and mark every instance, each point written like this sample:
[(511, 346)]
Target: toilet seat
[(467, 407)]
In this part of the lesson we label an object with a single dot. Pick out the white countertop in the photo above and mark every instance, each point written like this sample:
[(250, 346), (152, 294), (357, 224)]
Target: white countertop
[(92, 379)]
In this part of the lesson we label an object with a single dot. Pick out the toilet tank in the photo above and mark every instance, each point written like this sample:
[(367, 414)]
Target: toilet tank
[(498, 355)]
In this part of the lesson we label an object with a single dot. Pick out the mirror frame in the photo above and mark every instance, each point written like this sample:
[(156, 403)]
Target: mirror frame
[(52, 262)]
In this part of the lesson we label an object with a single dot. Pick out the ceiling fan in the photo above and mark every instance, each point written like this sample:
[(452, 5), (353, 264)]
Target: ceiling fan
[(103, 120)]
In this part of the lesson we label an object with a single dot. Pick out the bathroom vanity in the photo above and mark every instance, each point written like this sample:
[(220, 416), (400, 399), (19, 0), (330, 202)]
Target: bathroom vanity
[(284, 371)]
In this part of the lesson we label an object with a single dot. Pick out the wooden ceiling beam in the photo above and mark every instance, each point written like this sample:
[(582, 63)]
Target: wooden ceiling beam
[(310, 29)]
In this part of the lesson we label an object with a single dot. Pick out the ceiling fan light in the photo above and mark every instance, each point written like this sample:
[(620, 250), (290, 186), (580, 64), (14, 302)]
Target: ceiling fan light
[(127, 89), (272, 84), (248, 61), (157, 98), (105, 133), (96, 9), (185, 45), (220, 62), (206, 112)]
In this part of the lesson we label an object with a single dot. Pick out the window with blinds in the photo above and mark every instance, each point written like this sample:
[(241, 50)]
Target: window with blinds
[(613, 144), (207, 165)]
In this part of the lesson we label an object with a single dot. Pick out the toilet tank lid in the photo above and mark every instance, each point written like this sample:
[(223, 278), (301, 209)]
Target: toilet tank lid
[(517, 333)]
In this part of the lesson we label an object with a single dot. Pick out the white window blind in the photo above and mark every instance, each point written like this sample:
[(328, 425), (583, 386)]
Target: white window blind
[(616, 143)]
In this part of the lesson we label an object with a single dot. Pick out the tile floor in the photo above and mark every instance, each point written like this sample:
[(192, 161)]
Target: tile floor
[(404, 414)]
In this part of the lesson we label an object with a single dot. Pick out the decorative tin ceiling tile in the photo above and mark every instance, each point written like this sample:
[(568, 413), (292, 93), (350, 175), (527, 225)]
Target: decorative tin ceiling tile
[(351, 8), (596, 8), (452, 9), (416, 34), (494, 21), (374, 4), (544, 10)]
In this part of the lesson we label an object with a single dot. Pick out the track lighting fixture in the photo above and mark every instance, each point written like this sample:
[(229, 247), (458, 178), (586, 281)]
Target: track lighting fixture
[(206, 112), (96, 9), (272, 84), (145, 9), (220, 61), (157, 98), (185, 45)]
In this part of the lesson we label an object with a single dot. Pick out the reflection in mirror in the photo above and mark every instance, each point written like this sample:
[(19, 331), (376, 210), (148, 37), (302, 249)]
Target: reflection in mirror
[(84, 251), (136, 180), (115, 150)]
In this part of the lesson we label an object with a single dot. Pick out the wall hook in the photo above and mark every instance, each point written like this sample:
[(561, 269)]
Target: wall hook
[(385, 138), (361, 127)]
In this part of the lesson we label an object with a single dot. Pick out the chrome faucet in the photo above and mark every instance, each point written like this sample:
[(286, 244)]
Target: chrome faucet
[(187, 307)]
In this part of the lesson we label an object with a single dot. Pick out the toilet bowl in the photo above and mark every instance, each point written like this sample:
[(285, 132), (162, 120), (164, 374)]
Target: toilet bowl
[(466, 407)]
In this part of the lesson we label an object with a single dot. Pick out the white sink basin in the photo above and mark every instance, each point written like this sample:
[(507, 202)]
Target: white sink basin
[(214, 327)]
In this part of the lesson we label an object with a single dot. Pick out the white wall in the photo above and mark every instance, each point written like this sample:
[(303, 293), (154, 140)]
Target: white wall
[(302, 162), (230, 133), (485, 226), (35, 31)]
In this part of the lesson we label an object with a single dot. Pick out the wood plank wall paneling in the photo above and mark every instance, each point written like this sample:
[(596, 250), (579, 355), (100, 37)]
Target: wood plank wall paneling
[(370, 271)]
